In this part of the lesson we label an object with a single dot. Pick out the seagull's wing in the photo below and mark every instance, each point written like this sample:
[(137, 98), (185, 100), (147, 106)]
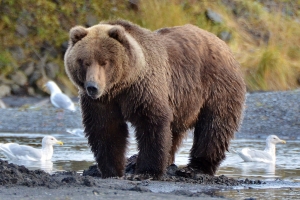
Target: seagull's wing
[(6, 149), (30, 153), (61, 100), (253, 155), (21, 152), (76, 131)]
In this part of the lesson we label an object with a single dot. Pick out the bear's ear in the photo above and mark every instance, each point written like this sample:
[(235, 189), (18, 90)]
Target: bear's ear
[(118, 33), (77, 33)]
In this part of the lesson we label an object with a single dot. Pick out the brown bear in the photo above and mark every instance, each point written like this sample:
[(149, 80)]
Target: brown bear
[(164, 82)]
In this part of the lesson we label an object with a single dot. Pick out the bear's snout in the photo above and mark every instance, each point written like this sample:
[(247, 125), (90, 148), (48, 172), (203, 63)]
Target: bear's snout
[(92, 89)]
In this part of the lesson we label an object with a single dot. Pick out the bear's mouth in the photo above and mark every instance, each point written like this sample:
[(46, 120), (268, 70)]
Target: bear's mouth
[(94, 97)]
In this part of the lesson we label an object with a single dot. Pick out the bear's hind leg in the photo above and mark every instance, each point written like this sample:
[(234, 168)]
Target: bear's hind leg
[(212, 135)]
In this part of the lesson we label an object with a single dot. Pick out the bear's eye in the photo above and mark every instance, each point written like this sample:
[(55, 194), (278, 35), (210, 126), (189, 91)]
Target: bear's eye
[(103, 63), (83, 64), (80, 62)]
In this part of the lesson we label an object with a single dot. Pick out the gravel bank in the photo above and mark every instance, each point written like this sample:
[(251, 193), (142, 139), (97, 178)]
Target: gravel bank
[(272, 113), (266, 113)]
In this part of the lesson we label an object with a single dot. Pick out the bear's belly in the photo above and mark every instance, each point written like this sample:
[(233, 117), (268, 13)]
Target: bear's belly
[(185, 119)]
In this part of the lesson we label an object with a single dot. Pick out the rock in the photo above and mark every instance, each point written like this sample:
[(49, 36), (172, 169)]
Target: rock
[(130, 164), (18, 90), (5, 81), (88, 181), (19, 78), (48, 49), (91, 20), (30, 91), (171, 170), (69, 180), (92, 171), (133, 4), (22, 30), (225, 36), (34, 77), (15, 88), (27, 68), (213, 16), (52, 70), (64, 47), (17, 53), (4, 90)]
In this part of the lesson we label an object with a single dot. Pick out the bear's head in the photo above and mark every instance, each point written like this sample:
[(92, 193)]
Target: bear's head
[(102, 58)]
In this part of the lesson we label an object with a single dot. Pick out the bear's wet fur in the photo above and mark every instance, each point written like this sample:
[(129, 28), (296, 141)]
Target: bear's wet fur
[(164, 83)]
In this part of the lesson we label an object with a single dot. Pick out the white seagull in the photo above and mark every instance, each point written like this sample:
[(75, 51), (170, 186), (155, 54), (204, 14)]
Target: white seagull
[(24, 152), (59, 99), (268, 155)]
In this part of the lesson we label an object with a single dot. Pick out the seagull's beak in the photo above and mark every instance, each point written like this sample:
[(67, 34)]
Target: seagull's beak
[(283, 141), (59, 142)]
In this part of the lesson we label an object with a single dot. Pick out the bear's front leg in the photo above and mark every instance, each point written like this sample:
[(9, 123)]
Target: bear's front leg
[(154, 143), (107, 134)]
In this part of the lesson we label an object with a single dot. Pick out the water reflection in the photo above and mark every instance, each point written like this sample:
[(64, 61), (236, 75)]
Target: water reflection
[(77, 166), (268, 169), (249, 170), (47, 166), (270, 193)]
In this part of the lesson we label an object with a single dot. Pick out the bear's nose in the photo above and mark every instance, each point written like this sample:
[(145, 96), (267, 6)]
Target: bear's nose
[(91, 88)]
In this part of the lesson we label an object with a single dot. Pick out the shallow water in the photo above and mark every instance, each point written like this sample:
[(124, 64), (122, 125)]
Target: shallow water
[(75, 155)]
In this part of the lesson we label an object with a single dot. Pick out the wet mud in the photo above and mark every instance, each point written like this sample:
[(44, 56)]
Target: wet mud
[(69, 184), (14, 175), (175, 174)]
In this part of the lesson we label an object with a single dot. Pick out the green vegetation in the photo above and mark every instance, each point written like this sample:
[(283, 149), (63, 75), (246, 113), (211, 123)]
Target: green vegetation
[(264, 38), (6, 63)]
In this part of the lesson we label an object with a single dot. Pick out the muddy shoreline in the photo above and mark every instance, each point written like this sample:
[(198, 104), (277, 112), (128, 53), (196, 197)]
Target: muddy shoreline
[(265, 113), (19, 182)]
